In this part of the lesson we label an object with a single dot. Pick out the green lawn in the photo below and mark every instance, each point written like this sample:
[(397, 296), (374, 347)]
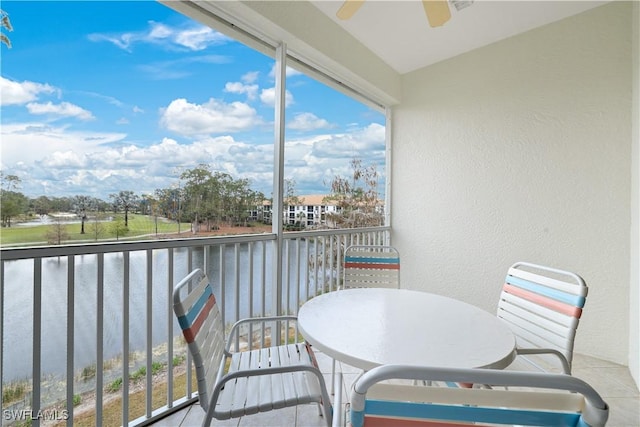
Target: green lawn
[(140, 226)]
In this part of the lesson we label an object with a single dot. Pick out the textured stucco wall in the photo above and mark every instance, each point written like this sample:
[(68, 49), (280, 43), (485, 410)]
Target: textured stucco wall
[(521, 151)]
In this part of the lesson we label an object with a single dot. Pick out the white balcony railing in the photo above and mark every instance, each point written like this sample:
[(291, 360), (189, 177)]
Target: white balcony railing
[(76, 320)]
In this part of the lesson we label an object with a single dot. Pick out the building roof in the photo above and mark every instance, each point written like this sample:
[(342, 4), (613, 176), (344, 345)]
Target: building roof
[(314, 200), (307, 200)]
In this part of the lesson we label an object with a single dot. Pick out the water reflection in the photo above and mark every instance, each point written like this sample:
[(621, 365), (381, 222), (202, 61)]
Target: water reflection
[(19, 299)]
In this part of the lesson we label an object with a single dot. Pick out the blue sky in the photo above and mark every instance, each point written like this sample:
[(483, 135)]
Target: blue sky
[(99, 97)]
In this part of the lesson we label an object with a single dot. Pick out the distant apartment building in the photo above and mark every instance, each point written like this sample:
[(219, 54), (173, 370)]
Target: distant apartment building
[(308, 211), (311, 210)]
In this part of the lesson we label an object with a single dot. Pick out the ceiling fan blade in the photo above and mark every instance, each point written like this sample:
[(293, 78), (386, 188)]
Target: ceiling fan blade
[(349, 8), (437, 12)]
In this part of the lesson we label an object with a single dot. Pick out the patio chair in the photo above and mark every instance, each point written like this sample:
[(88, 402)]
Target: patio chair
[(542, 306), (370, 266), (235, 384), (532, 399)]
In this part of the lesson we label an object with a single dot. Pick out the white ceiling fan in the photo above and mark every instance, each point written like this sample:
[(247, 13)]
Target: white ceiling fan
[(437, 11)]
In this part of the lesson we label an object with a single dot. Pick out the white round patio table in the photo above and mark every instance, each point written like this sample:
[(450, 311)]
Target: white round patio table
[(369, 327)]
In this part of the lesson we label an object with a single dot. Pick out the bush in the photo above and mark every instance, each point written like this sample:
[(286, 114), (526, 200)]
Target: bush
[(13, 391), (115, 385)]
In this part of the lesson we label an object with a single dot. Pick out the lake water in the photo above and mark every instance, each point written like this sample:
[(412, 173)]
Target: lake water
[(19, 297)]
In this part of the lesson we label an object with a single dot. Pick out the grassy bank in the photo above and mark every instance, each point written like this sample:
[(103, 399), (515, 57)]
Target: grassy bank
[(140, 226), (112, 409)]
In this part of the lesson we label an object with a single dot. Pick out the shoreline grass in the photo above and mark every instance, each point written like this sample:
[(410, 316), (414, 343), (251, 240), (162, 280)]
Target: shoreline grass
[(139, 225), (112, 406)]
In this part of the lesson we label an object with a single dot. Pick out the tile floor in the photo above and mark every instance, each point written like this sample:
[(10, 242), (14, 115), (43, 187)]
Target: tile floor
[(612, 381)]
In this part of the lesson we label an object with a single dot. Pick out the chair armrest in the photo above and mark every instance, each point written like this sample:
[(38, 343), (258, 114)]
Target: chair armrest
[(220, 383), (566, 367), (236, 326)]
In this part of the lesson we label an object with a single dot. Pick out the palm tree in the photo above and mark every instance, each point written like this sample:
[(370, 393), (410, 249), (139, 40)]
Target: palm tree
[(6, 25)]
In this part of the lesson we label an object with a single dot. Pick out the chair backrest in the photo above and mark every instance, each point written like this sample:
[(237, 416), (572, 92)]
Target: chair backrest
[(202, 327), (539, 399), (368, 266), (542, 306)]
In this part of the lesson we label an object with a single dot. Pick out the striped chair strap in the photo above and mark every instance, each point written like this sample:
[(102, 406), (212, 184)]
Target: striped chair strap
[(195, 318)]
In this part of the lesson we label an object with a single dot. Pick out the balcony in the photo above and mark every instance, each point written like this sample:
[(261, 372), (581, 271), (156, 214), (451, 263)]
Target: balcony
[(515, 150), (92, 315)]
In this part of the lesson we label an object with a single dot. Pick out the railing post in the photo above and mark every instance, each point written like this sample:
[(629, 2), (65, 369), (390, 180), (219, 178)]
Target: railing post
[(149, 322), (170, 340), (125, 336), (71, 281), (1, 328), (37, 335)]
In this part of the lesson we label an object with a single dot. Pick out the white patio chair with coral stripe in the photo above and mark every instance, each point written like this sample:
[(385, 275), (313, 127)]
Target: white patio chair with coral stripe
[(234, 384), (532, 399), (371, 266), (542, 306)]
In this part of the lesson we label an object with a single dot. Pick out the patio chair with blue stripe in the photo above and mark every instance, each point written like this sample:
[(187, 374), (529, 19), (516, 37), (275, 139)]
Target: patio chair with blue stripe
[(371, 266), (542, 306), (233, 384), (532, 399)]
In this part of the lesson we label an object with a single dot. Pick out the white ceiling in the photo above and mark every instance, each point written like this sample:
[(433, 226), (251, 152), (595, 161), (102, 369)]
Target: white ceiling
[(399, 33)]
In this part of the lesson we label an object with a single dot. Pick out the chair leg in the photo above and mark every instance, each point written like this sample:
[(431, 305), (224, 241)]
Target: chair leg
[(333, 374), (327, 410)]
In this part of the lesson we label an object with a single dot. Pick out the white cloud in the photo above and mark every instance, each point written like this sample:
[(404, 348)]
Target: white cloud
[(250, 77), (109, 99), (159, 30), (193, 38), (65, 160), (199, 38), (64, 109), (307, 122), (18, 93), (212, 117), (268, 97), (368, 141), (179, 68), (239, 88), (59, 161), (30, 142)]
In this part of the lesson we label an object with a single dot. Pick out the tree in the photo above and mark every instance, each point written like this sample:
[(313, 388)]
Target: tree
[(6, 25), (57, 233), (167, 199), (10, 182), (149, 206), (302, 219), (12, 204), (356, 198), (125, 201), (41, 205), (118, 227), (216, 196), (96, 228), (290, 198), (197, 186), (81, 204)]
